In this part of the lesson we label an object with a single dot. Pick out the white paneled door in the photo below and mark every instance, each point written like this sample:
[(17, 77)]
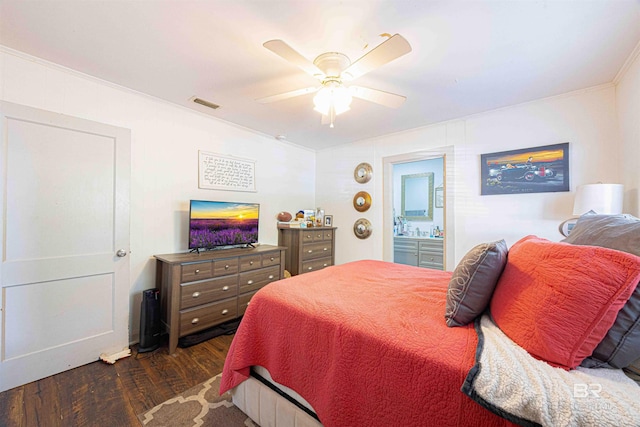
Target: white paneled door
[(64, 268)]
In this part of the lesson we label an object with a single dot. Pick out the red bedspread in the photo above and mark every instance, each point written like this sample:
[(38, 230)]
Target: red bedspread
[(365, 344)]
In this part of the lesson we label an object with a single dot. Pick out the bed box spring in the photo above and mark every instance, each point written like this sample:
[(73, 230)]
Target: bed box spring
[(269, 408)]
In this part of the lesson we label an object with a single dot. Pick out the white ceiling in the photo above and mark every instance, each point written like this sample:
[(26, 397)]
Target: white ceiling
[(468, 56)]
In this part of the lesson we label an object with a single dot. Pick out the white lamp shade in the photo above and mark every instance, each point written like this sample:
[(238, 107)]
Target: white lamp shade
[(604, 199), (337, 96)]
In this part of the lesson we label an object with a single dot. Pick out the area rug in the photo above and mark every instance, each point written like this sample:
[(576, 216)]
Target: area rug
[(199, 406)]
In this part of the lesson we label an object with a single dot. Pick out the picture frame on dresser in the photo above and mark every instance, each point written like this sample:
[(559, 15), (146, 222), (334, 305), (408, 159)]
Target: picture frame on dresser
[(328, 220)]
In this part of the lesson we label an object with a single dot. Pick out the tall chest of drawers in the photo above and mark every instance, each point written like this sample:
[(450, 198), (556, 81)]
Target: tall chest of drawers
[(198, 291), (308, 249)]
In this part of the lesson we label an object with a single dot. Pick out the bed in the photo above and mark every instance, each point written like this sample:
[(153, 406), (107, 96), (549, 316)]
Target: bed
[(377, 344)]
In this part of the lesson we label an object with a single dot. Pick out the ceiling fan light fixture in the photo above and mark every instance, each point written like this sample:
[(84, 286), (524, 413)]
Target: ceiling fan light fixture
[(335, 96), (334, 68)]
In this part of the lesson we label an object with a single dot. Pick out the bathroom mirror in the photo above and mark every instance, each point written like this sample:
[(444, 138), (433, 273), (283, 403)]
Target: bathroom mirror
[(417, 196)]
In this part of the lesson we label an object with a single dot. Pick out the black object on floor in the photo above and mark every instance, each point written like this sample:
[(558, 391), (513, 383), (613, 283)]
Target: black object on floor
[(223, 329), (149, 321)]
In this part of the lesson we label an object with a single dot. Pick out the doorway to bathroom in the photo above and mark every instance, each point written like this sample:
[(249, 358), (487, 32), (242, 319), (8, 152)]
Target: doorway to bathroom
[(417, 215)]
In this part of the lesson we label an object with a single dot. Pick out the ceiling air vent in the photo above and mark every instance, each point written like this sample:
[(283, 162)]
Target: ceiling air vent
[(206, 103)]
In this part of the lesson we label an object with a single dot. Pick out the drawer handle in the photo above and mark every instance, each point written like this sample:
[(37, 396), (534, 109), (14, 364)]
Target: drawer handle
[(325, 249), (329, 235), (310, 250), (226, 267), (197, 271), (195, 320), (272, 258), (308, 236), (195, 294), (325, 265), (225, 311), (319, 236), (310, 268), (250, 282), (271, 276), (431, 258), (225, 288)]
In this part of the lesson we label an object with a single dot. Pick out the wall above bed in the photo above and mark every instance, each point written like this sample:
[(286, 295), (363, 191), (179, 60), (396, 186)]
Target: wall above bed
[(586, 119)]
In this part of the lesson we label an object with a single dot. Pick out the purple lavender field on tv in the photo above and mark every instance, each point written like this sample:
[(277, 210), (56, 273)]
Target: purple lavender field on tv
[(215, 224)]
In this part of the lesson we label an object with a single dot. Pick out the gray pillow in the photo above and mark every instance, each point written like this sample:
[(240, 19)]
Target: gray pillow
[(621, 346), (473, 282)]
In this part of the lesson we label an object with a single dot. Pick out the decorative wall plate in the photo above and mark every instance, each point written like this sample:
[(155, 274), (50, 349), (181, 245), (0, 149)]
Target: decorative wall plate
[(362, 173), (362, 201), (362, 228)]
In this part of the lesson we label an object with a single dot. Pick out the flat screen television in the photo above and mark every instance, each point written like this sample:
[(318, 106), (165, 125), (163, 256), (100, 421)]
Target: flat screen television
[(216, 224)]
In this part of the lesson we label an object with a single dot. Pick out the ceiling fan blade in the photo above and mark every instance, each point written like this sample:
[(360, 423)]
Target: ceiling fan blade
[(287, 95), (387, 99), (385, 52), (285, 51)]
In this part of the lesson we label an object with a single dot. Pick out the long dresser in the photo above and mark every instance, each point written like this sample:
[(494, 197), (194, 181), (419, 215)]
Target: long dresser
[(308, 249), (201, 290), (426, 252)]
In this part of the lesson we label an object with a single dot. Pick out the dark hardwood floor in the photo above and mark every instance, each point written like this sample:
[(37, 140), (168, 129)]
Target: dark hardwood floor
[(99, 394)]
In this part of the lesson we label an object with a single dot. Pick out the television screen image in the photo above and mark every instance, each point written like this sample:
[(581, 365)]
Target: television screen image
[(214, 224)]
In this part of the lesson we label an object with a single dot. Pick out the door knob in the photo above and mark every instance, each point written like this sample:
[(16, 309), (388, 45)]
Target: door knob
[(121, 253)]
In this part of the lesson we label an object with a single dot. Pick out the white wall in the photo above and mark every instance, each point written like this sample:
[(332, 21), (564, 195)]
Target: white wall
[(586, 119), (165, 140), (628, 104)]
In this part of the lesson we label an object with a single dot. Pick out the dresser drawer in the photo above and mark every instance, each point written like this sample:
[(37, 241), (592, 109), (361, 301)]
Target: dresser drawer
[(223, 267), (307, 235), (252, 262), (431, 245), (318, 235), (405, 244), (243, 302), (198, 293), (271, 259), (431, 260), (203, 317), (196, 271), (254, 280), (316, 264), (323, 235), (316, 250)]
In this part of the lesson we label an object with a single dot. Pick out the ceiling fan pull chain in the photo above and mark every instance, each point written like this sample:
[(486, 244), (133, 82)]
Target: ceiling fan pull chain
[(332, 115)]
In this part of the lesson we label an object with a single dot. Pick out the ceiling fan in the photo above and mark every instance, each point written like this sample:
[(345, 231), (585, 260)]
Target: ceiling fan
[(334, 69)]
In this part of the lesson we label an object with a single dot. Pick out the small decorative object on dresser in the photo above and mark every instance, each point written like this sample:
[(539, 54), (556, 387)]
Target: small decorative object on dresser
[(284, 216), (198, 291), (308, 249), (328, 220)]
